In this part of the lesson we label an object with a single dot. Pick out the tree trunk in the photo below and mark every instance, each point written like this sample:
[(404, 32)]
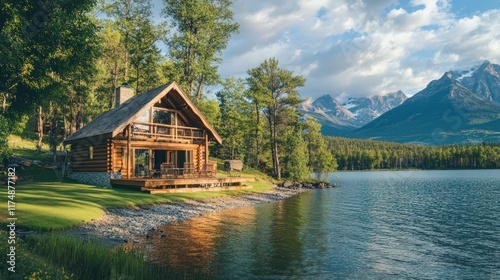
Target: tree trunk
[(65, 127), (78, 119), (126, 58), (114, 80), (271, 141), (275, 136), (40, 129), (257, 122), (53, 131), (274, 141), (73, 112), (190, 89), (72, 128), (137, 77), (199, 94), (4, 102)]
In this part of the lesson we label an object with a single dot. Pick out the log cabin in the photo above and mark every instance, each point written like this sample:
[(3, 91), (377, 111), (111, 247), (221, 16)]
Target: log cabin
[(156, 141)]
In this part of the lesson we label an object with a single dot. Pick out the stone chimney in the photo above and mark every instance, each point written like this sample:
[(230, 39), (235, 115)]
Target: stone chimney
[(123, 93)]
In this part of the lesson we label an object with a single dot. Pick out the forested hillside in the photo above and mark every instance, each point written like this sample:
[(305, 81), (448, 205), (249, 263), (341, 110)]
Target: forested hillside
[(356, 154)]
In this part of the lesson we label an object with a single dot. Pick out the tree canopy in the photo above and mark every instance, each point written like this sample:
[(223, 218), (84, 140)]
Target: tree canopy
[(60, 66), (275, 90), (202, 30)]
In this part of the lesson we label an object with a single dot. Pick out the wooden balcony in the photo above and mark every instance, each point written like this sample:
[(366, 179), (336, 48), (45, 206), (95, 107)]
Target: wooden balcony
[(164, 131)]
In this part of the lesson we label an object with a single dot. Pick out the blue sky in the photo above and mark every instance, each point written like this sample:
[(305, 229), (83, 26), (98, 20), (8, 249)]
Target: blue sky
[(364, 47), (352, 48)]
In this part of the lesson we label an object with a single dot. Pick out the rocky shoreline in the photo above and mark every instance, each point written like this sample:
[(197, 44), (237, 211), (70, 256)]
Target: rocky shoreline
[(122, 225)]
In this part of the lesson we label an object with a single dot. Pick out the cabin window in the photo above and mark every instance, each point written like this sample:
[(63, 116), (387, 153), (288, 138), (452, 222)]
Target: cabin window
[(141, 162), (91, 152), (163, 117), (143, 118), (168, 117)]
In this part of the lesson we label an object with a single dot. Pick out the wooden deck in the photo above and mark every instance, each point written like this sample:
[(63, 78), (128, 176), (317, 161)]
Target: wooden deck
[(179, 185)]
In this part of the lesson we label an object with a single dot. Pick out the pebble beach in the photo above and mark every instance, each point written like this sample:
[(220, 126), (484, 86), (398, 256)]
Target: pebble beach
[(124, 225)]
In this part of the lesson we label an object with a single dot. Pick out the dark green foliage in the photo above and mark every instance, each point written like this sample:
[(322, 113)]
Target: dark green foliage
[(133, 56), (235, 114), (295, 159), (321, 160), (204, 28), (39, 40), (355, 154), (5, 129), (273, 90)]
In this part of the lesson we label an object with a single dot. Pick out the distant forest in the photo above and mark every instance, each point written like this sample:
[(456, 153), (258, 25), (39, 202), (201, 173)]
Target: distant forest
[(357, 154)]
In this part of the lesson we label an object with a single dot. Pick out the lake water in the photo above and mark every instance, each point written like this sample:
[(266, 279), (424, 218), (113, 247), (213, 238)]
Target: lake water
[(377, 225)]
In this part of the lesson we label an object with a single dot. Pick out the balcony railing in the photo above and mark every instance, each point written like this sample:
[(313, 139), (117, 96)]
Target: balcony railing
[(155, 130)]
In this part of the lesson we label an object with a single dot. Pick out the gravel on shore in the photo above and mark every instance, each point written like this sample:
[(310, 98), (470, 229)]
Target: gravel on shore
[(123, 225)]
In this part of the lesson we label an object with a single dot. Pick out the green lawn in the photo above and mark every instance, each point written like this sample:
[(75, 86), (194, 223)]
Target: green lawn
[(46, 204)]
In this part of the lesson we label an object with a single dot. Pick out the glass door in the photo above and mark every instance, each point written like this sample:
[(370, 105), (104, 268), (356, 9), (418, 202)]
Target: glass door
[(141, 162)]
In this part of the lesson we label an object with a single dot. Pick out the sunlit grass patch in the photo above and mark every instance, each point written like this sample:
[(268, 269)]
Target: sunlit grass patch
[(61, 205)]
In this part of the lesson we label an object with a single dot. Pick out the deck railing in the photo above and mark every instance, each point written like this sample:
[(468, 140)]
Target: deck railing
[(156, 130), (167, 170)]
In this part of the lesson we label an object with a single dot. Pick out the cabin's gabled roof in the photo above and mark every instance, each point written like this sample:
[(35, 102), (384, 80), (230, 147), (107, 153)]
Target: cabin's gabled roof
[(112, 122)]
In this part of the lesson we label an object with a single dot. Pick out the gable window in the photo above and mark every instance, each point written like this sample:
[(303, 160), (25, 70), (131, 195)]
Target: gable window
[(143, 118), (91, 152), (163, 116)]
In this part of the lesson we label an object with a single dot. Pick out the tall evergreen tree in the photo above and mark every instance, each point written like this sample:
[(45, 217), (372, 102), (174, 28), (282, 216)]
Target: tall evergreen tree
[(203, 29), (275, 89), (234, 122), (321, 161), (295, 154), (112, 59), (130, 17)]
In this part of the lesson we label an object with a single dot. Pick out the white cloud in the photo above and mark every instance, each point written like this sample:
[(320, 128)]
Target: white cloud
[(360, 47)]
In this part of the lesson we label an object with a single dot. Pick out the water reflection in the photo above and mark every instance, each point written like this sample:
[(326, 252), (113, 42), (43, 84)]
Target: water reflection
[(432, 226), (268, 240), (192, 245)]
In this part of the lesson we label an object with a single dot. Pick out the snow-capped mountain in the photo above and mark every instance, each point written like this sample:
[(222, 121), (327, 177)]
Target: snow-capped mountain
[(483, 81), (366, 109), (338, 119), (460, 107)]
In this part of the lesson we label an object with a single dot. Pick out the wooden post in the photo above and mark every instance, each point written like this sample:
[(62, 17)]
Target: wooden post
[(111, 151), (152, 127), (206, 147), (129, 144), (175, 122)]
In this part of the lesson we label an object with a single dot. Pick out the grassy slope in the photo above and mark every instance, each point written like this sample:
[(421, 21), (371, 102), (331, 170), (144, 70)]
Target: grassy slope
[(47, 204)]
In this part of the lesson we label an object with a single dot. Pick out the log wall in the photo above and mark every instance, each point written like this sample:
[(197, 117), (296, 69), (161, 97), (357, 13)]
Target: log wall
[(81, 162), (110, 155)]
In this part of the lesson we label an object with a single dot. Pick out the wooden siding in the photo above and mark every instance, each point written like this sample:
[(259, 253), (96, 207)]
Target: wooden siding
[(110, 155), (80, 161), (118, 155)]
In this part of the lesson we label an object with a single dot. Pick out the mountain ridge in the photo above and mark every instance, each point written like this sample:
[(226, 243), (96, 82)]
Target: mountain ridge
[(340, 119), (445, 112)]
